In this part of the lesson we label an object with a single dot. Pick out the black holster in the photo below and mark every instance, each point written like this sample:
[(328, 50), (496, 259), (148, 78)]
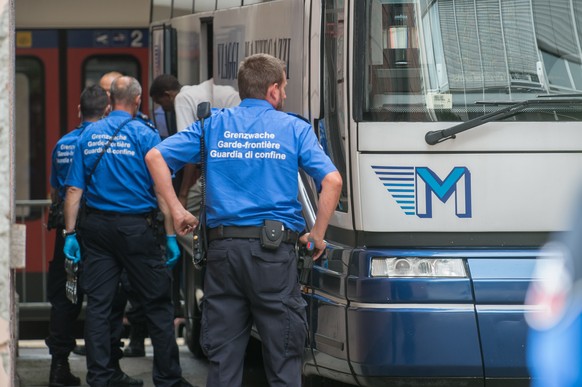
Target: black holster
[(56, 216)]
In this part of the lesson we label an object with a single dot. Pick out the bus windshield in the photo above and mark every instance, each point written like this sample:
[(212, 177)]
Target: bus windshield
[(454, 60)]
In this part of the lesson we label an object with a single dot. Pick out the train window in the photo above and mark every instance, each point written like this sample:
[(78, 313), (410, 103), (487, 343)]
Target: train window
[(204, 5), (30, 133), (182, 7), (95, 66), (222, 4), (161, 10)]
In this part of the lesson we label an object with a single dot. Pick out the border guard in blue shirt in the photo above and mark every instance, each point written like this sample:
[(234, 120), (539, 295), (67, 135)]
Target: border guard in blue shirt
[(253, 153), (118, 232), (93, 106), (135, 315)]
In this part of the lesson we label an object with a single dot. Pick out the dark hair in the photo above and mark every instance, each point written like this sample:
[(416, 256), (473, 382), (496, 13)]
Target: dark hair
[(94, 101), (163, 83), (256, 73), (124, 90)]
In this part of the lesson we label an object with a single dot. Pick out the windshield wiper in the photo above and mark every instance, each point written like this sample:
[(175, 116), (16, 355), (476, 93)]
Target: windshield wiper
[(436, 136)]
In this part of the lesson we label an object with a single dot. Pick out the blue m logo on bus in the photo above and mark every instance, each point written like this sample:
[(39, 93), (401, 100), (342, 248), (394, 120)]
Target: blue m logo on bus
[(413, 188)]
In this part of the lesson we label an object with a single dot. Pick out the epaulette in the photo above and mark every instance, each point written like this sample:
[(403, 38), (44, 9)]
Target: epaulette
[(144, 119), (299, 116)]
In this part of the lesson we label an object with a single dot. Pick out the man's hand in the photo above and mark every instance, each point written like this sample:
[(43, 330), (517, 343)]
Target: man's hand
[(184, 221), (317, 244), (72, 250), (172, 251)]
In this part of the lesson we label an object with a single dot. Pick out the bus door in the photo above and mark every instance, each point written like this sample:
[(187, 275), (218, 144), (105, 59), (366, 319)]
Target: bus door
[(327, 284), (163, 61), (92, 53), (37, 119)]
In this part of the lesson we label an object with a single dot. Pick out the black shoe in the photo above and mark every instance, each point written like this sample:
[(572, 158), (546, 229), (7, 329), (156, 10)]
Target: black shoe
[(80, 350), (121, 379), (60, 375), (185, 383)]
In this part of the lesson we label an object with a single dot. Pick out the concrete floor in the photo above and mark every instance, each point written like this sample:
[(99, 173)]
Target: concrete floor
[(33, 365)]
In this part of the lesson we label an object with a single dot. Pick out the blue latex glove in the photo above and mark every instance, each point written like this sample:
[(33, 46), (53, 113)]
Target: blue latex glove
[(72, 250), (172, 251)]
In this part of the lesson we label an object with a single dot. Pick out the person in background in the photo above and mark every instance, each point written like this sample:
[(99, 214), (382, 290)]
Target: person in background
[(253, 222), (167, 92), (93, 106), (105, 82), (120, 232), (107, 79)]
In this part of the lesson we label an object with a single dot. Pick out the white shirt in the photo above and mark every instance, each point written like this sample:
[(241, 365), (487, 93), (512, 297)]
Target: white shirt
[(189, 97)]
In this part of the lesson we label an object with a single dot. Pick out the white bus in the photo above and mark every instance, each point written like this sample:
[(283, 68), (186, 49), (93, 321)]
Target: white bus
[(454, 124)]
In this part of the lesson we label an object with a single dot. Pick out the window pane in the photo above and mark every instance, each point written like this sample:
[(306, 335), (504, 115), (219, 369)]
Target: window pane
[(444, 60), (204, 5), (332, 131), (222, 4), (96, 66), (182, 7), (161, 10), (30, 155)]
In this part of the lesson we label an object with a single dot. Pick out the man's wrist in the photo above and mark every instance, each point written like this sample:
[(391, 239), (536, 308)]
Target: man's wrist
[(67, 233)]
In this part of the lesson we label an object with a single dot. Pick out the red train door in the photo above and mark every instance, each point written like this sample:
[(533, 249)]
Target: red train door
[(92, 53)]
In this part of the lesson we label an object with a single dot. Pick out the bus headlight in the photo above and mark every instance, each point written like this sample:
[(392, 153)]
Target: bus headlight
[(418, 267)]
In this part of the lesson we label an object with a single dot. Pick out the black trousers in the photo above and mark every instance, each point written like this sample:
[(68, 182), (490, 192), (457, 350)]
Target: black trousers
[(112, 243), (63, 312), (246, 284), (136, 313)]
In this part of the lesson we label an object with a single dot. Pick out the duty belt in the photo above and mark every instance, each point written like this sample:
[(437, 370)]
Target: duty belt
[(91, 210), (225, 232)]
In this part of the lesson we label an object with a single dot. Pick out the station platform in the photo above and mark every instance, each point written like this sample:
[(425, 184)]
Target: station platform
[(33, 365)]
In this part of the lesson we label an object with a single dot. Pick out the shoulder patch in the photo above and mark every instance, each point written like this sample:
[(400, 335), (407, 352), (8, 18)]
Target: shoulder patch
[(144, 119), (300, 117)]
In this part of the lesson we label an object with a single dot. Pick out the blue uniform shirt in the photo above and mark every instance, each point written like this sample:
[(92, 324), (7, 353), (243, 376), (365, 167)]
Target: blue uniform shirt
[(121, 182), (253, 153), (62, 157)]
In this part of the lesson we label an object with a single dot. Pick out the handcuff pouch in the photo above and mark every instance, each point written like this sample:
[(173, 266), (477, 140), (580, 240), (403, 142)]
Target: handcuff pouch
[(272, 234)]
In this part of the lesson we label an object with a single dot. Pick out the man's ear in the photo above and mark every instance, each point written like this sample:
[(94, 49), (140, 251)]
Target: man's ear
[(272, 93), (79, 112)]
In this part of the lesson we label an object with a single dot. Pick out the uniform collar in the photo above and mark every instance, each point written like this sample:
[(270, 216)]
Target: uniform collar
[(252, 102), (119, 113)]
